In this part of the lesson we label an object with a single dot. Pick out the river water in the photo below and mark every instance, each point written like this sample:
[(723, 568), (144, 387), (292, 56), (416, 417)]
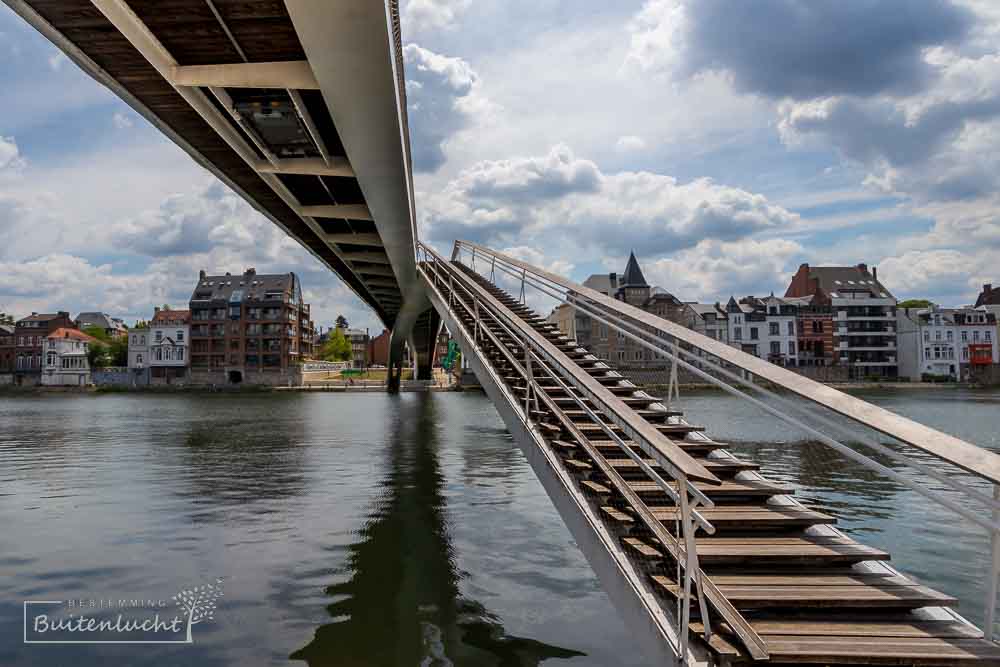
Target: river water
[(367, 529)]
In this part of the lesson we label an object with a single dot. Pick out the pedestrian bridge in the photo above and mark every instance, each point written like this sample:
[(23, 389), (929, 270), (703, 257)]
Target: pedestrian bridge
[(300, 107)]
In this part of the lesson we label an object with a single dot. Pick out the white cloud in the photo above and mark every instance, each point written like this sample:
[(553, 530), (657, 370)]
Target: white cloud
[(569, 203), (9, 153), (716, 270), (121, 121), (442, 97), (629, 143), (425, 15), (56, 60)]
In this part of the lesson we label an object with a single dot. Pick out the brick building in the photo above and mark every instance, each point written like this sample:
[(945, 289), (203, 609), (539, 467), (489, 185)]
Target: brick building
[(863, 313), (248, 328), (29, 338), (6, 348), (814, 325), (632, 288), (378, 349)]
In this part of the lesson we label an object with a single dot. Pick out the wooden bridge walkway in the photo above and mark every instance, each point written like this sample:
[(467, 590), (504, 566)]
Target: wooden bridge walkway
[(809, 592)]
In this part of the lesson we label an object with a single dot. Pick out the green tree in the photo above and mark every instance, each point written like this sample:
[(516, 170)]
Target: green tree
[(914, 303), (341, 322), (6, 318), (98, 333), (97, 355), (336, 348), (118, 351)]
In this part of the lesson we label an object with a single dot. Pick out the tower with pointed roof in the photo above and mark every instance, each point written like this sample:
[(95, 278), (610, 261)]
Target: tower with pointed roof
[(632, 287)]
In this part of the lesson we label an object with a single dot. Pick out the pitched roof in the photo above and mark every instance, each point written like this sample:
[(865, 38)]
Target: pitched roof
[(600, 282), (990, 296), (6, 328), (836, 279), (169, 316), (73, 334), (242, 287), (41, 317), (633, 274), (101, 320)]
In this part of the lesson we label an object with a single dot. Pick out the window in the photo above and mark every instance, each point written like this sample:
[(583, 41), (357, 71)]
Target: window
[(927, 336), (791, 347), (965, 336), (754, 334), (180, 354), (965, 353), (142, 340), (773, 328), (138, 358), (791, 328), (180, 336), (927, 353), (775, 347), (975, 336), (158, 336), (937, 335), (638, 355), (950, 335), (738, 333), (159, 354), (987, 337), (817, 326)]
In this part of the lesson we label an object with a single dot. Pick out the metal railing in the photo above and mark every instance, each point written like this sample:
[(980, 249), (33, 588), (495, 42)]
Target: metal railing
[(543, 361), (818, 413)]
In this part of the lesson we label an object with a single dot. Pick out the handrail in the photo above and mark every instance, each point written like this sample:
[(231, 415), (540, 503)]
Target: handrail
[(971, 458), (684, 554)]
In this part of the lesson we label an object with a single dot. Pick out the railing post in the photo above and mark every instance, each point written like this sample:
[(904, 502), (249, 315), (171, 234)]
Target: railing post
[(689, 546), (475, 304), (530, 381), (991, 595), (493, 266), (524, 276)]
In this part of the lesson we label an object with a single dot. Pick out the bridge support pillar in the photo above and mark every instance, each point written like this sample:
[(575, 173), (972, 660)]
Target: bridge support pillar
[(416, 323)]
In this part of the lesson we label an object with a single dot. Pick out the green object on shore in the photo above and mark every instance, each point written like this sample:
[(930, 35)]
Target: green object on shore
[(351, 372), (449, 359)]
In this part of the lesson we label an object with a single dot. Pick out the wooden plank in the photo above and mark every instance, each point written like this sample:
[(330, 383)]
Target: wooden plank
[(752, 517), (747, 487), (866, 628), (880, 650)]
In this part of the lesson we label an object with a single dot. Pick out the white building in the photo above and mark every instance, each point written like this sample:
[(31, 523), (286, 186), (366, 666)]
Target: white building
[(765, 328), (947, 342), (169, 341), (708, 319), (64, 358)]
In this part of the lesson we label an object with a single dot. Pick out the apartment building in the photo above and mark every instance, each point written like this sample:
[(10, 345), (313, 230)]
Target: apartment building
[(766, 328), (708, 319), (953, 343), (248, 328), (359, 347), (29, 340), (863, 313), (814, 325), (169, 344)]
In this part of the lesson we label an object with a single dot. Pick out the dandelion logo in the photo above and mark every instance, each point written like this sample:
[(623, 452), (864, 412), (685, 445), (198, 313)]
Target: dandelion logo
[(199, 603)]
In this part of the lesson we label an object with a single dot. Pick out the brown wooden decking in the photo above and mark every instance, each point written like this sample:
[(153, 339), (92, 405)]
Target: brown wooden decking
[(813, 594)]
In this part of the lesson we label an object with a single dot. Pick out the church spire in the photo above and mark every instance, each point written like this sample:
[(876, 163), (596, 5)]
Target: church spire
[(633, 274)]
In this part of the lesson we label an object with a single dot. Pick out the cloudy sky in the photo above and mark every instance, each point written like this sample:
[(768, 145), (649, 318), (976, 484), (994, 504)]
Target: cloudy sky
[(725, 142)]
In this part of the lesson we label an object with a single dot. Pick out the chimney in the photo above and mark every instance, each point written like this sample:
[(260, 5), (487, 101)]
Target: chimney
[(875, 273), (156, 310), (987, 288), (863, 267), (250, 272), (228, 274), (201, 274)]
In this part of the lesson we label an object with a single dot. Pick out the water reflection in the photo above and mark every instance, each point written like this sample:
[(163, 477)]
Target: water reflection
[(402, 603)]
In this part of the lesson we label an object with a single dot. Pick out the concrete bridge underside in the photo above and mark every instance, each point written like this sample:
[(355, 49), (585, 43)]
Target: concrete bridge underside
[(297, 105)]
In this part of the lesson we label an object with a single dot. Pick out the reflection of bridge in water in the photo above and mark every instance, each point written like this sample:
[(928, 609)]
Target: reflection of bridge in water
[(402, 606), (299, 106)]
